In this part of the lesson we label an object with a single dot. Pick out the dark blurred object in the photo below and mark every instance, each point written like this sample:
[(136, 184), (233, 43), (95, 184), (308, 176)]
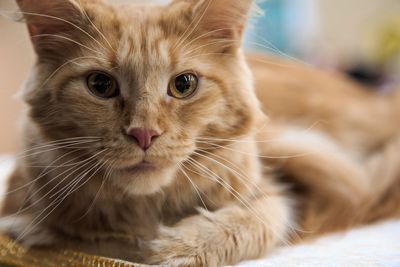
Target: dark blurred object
[(382, 71), (366, 74)]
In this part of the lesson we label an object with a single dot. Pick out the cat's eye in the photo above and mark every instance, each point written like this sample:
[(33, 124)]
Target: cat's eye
[(183, 85), (102, 85)]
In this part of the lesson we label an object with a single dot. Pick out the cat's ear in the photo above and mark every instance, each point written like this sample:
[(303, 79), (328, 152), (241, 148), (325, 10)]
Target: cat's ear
[(222, 19), (49, 21)]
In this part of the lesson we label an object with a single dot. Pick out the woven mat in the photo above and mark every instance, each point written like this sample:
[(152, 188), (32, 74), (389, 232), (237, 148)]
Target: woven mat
[(13, 255)]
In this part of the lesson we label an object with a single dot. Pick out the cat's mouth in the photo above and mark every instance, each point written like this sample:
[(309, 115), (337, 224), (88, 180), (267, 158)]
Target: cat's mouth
[(143, 166)]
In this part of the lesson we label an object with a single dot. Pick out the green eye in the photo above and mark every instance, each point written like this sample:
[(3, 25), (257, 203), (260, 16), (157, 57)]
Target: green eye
[(183, 85), (102, 85)]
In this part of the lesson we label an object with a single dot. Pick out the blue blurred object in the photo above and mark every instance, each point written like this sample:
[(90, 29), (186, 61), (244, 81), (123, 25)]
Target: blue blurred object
[(267, 33), (285, 28)]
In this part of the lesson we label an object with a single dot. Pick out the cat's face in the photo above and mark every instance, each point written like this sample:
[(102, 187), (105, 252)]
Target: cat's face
[(150, 81)]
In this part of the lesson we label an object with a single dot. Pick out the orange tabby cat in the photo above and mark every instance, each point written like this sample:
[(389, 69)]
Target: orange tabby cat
[(145, 139)]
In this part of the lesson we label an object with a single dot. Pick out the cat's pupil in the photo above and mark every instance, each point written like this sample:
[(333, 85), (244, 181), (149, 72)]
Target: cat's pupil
[(102, 83), (184, 83)]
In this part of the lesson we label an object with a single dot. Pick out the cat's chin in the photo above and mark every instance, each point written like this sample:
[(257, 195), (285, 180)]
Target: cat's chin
[(143, 179)]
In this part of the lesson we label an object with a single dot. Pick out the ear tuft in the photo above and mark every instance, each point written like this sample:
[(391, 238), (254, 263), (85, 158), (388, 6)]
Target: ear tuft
[(49, 17), (225, 19)]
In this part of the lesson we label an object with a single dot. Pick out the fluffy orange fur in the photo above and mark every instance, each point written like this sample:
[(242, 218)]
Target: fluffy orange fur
[(225, 183), (349, 173)]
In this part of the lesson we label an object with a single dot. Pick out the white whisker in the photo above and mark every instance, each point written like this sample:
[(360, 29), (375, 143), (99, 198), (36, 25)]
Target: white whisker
[(58, 201), (59, 19), (107, 175), (257, 155), (83, 164), (203, 36), (235, 194), (68, 39), (94, 26), (186, 34), (240, 175), (194, 186)]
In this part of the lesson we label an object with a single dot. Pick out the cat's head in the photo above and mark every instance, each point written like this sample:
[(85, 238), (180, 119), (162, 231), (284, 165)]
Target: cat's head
[(151, 81)]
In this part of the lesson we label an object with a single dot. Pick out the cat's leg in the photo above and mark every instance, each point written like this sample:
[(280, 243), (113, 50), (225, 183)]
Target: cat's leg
[(227, 236), (329, 184), (337, 190), (384, 166)]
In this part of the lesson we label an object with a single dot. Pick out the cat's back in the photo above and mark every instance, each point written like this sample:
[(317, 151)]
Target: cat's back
[(300, 95)]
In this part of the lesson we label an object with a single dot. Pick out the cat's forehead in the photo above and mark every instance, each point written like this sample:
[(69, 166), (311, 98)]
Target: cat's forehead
[(146, 36), (144, 49), (139, 12), (148, 15)]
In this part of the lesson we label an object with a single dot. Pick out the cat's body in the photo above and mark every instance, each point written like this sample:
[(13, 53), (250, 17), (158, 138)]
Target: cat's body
[(207, 191), (349, 139)]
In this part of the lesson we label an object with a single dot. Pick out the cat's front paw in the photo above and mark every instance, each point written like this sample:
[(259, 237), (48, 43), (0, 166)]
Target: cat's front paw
[(176, 249), (197, 241)]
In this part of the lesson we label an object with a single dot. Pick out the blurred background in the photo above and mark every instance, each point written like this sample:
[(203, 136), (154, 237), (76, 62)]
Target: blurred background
[(358, 37)]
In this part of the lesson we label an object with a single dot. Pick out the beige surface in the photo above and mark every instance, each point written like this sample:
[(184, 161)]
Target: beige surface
[(350, 25), (16, 58)]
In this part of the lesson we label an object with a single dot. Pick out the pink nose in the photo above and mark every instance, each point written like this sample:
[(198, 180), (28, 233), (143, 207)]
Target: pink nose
[(143, 137)]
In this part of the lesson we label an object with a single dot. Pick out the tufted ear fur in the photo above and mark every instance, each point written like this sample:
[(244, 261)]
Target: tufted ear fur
[(50, 22), (222, 19)]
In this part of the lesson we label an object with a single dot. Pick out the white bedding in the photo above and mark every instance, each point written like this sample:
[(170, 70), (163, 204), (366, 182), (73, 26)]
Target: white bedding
[(377, 245)]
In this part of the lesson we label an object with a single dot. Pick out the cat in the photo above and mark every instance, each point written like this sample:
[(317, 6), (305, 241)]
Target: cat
[(146, 138)]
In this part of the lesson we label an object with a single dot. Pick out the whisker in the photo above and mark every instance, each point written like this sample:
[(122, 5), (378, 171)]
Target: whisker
[(269, 62), (60, 142), (219, 180), (44, 172), (108, 174), (194, 186), (260, 156), (62, 66), (241, 176), (83, 164), (31, 183), (222, 182), (40, 213), (73, 189), (237, 195), (94, 26), (238, 140), (60, 193), (275, 49), (59, 19), (68, 39), (22, 155), (186, 34), (209, 44), (203, 36), (242, 138), (57, 202)]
